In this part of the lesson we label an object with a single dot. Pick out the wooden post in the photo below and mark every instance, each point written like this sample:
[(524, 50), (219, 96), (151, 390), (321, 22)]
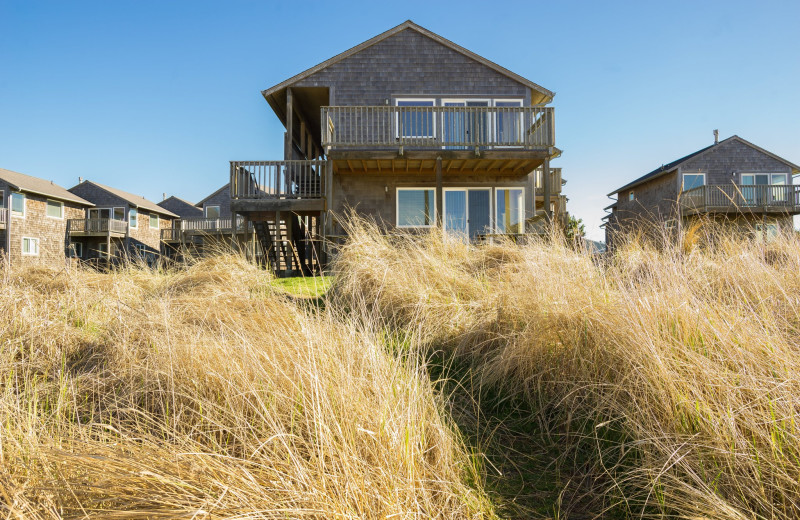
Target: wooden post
[(287, 151), (546, 183), (439, 191), (530, 200), (108, 244)]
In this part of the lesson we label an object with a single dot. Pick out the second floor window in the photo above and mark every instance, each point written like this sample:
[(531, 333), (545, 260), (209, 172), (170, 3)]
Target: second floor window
[(417, 121), (55, 209), (693, 180), (630, 196), (18, 204), (153, 221), (212, 211), (133, 217)]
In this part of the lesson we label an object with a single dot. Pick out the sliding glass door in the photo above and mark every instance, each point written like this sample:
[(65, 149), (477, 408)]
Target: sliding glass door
[(467, 212)]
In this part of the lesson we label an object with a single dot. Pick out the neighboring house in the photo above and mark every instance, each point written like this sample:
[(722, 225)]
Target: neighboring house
[(120, 224), (180, 207), (731, 181), (33, 219), (409, 129)]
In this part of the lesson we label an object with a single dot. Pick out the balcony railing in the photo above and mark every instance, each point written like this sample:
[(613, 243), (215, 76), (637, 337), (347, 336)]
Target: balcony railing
[(730, 197), (97, 226), (200, 226), (456, 128), (555, 181), (277, 179)]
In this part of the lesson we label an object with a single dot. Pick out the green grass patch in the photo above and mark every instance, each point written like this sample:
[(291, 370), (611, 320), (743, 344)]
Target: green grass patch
[(310, 287)]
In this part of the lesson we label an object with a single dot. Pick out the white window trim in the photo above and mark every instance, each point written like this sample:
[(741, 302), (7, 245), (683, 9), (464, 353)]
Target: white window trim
[(397, 207), (113, 210), (683, 174), (521, 125), (24, 204), (57, 202), (130, 225), (492, 214), (205, 210), (742, 175), (2, 199), (496, 227), (32, 240), (150, 221), (397, 118)]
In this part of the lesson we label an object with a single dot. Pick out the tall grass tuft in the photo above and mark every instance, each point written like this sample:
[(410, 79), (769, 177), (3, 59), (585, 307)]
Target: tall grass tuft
[(200, 392), (676, 368)]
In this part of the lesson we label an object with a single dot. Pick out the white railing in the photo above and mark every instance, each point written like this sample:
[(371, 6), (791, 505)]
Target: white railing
[(97, 225), (428, 127)]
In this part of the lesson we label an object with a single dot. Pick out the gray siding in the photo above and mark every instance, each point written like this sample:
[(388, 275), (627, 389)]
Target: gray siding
[(409, 63), (221, 198), (181, 208), (725, 162)]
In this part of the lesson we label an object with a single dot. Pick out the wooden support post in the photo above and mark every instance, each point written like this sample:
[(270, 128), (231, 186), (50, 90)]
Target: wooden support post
[(328, 197), (439, 191), (546, 183), (287, 150), (530, 200), (108, 244)]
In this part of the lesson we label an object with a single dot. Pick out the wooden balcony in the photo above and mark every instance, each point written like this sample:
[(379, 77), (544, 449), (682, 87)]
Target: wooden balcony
[(201, 226), (97, 227), (490, 140), (556, 181), (734, 198), (277, 185)]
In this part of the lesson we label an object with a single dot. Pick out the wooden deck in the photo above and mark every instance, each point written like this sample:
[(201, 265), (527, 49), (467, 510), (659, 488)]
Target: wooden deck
[(97, 227), (733, 198), (297, 186), (185, 228)]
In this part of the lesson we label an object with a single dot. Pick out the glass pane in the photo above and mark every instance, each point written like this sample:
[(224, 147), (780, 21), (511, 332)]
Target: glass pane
[(212, 211), (762, 179), (477, 123), (455, 211), (509, 211), (105, 213), (54, 209), (133, 216), (153, 220), (480, 222), (416, 123), (2, 199), (18, 203), (415, 207), (453, 125), (509, 124), (119, 213), (779, 179), (691, 181), (778, 192)]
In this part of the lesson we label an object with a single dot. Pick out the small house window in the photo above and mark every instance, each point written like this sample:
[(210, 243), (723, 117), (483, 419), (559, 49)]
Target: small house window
[(55, 209), (212, 211), (509, 210), (119, 214), (2, 199), (416, 207), (416, 122), (75, 250), (30, 246), (693, 180), (153, 221), (630, 196), (18, 204), (140, 249), (133, 218)]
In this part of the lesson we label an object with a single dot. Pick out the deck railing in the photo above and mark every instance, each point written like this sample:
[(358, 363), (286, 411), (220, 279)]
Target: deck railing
[(555, 181), (727, 197), (97, 225), (200, 226), (277, 179), (431, 127)]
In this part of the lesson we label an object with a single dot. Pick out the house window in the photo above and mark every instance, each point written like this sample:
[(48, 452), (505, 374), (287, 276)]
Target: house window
[(630, 196), (140, 249), (509, 210), (18, 204), (119, 214), (2, 199), (75, 250), (153, 221), (30, 246), (416, 207), (55, 209), (102, 250), (212, 211), (416, 123), (133, 218), (693, 180), (509, 124)]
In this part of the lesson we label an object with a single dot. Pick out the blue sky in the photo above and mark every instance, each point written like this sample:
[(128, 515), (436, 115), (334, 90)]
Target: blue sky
[(157, 96)]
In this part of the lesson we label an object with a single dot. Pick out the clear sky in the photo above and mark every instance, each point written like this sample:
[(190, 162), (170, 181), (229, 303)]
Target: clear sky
[(157, 96)]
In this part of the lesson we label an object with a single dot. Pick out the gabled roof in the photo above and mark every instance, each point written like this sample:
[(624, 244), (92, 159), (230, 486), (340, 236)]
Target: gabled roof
[(200, 204), (545, 96), (134, 200), (183, 208), (667, 168), (173, 197), (27, 183)]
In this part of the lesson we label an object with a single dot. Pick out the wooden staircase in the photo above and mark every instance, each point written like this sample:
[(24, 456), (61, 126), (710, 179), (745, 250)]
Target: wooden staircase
[(287, 254)]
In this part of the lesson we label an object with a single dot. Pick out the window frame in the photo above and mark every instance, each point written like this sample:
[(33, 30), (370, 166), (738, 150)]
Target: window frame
[(433, 104), (683, 179), (496, 121), (24, 204), (631, 196), (206, 208), (496, 222), (31, 240), (133, 222), (157, 218), (75, 249), (47, 209), (2, 199), (433, 217)]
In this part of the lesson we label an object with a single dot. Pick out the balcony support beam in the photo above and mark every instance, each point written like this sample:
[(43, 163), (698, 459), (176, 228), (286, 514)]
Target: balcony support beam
[(439, 191), (546, 182), (288, 142)]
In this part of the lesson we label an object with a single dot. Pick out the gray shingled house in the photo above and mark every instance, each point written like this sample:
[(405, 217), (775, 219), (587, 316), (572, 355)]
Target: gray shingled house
[(120, 224), (732, 181), (34, 214), (407, 128)]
